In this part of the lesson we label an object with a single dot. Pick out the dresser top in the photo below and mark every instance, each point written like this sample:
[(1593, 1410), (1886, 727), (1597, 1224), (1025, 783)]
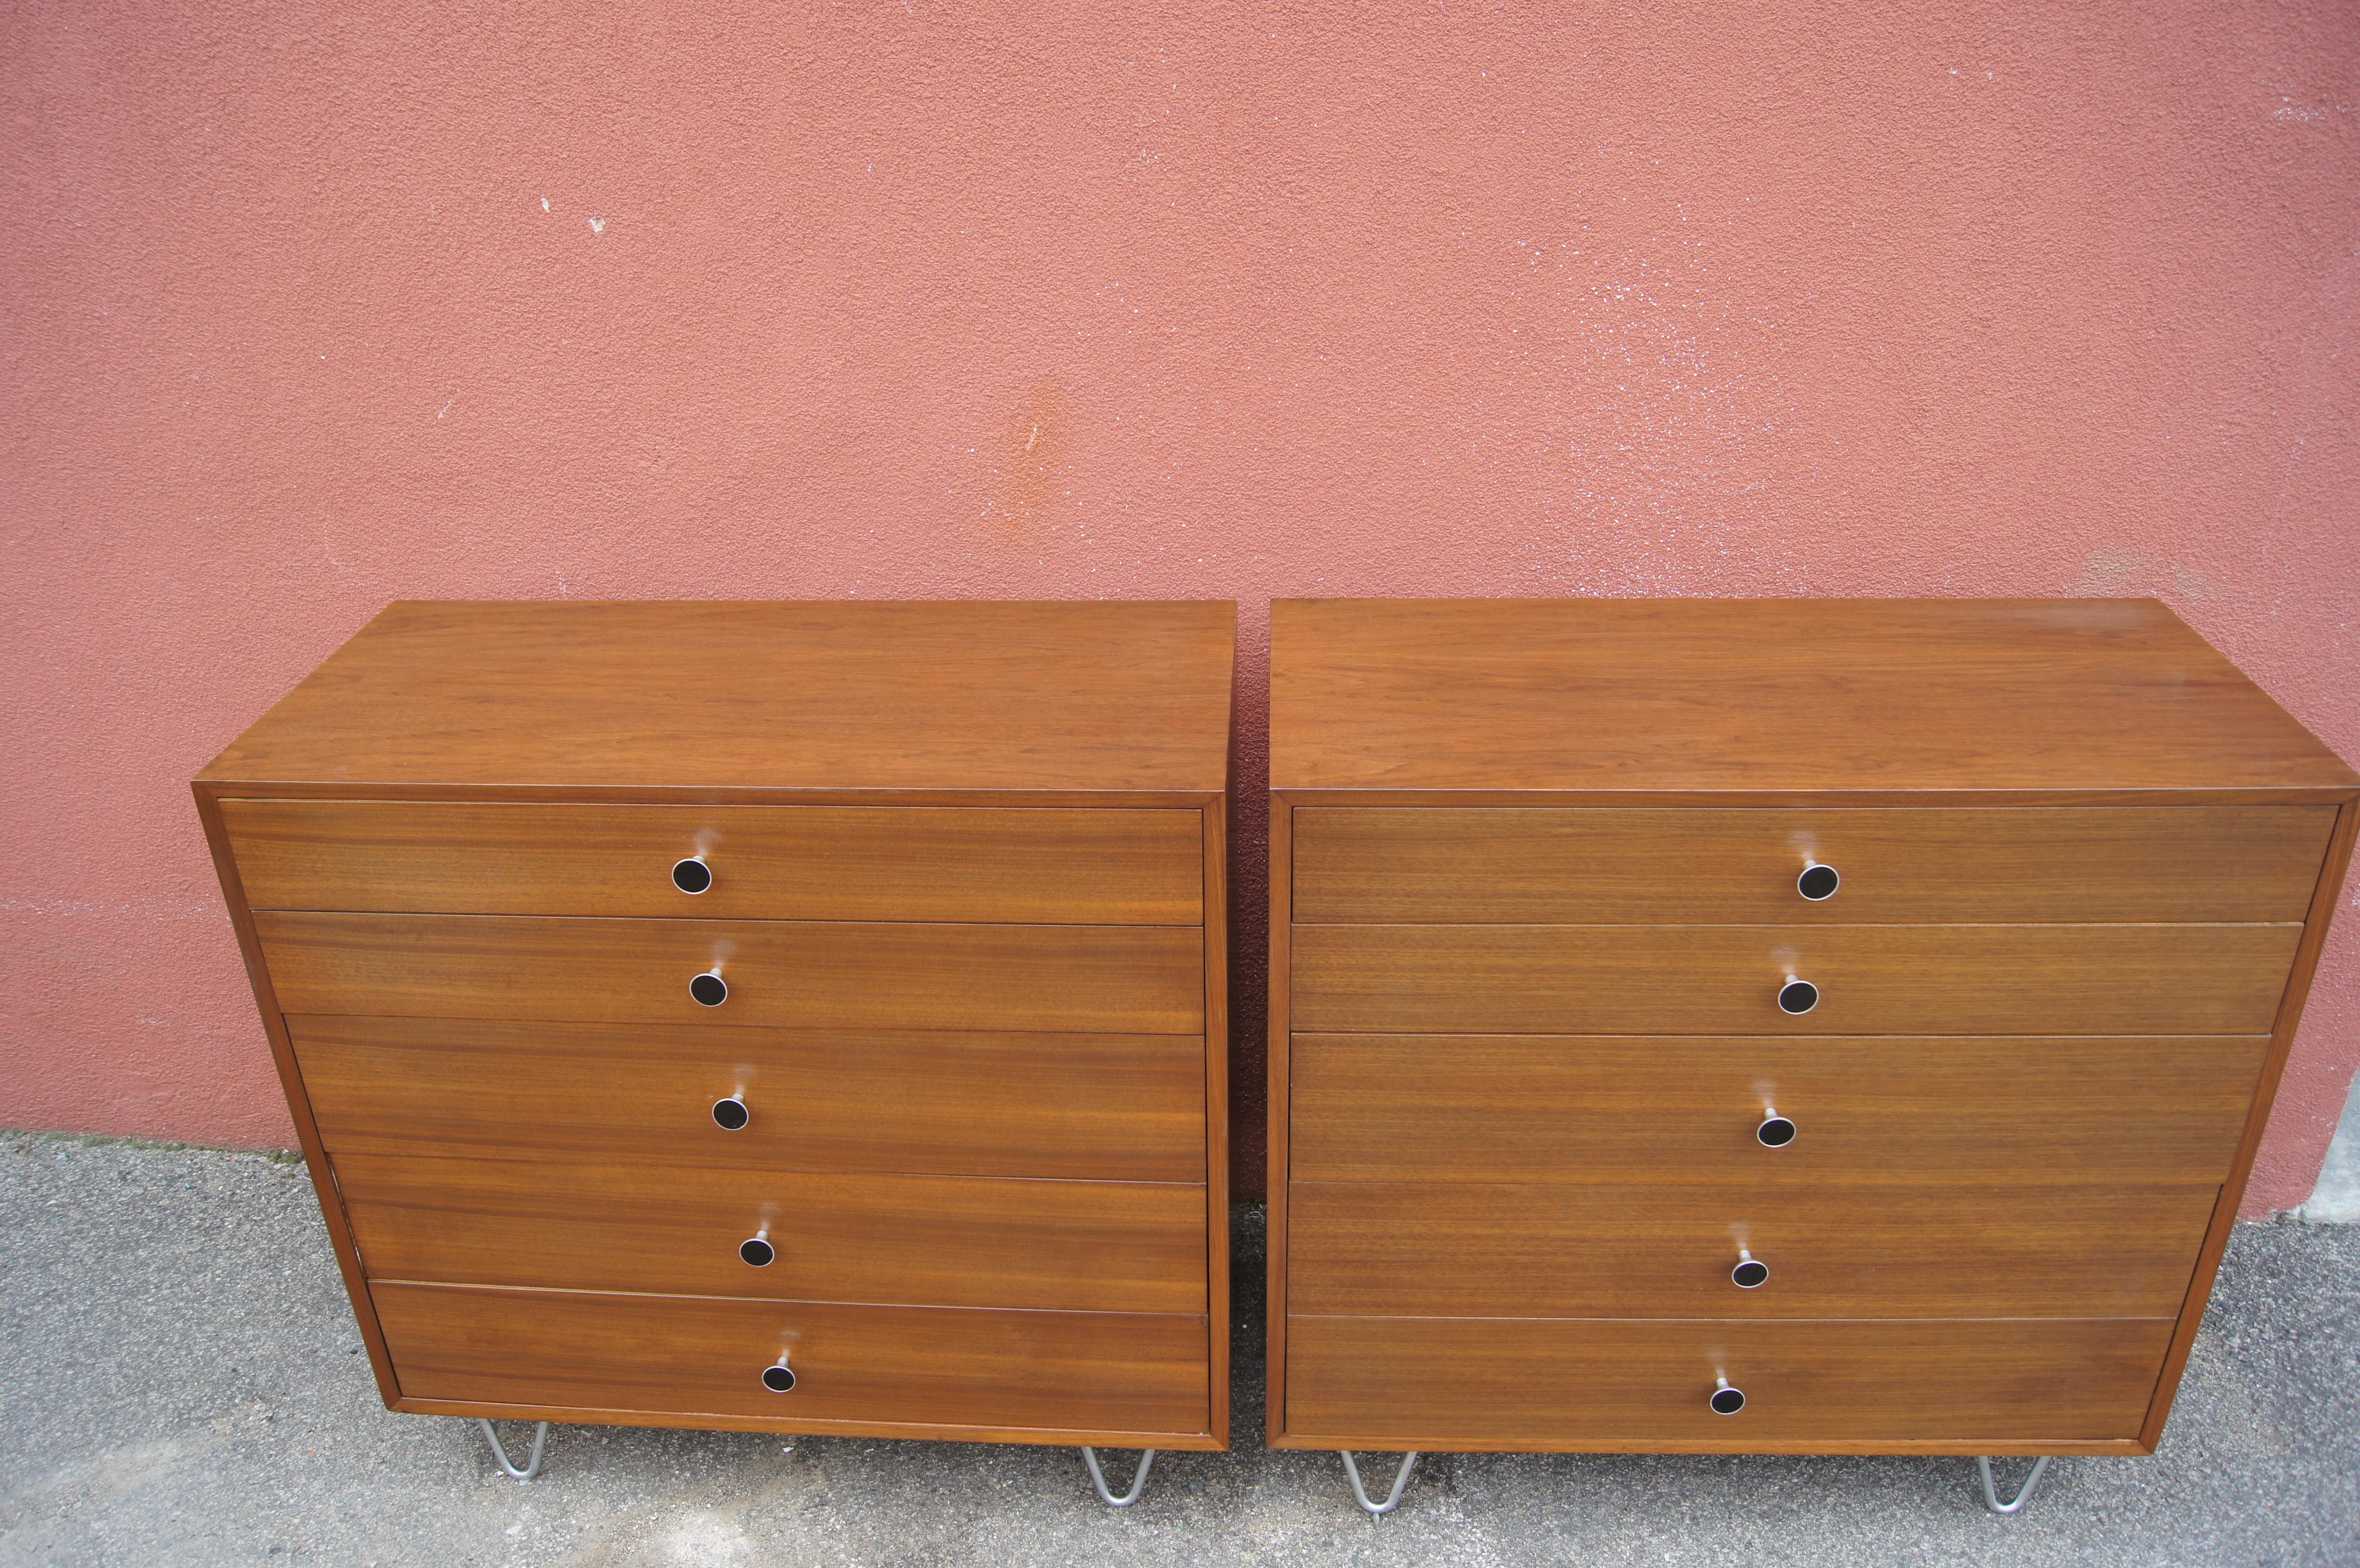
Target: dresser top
[(933, 696), (1769, 694)]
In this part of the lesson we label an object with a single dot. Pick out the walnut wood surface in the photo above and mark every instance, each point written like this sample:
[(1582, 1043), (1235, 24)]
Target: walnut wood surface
[(1868, 1111), (1907, 865), (782, 974), (2069, 979), (1100, 1108), (1122, 1371), (598, 1225), (2257, 1113), (959, 696), (1615, 1250), (1630, 695), (1539, 1383), (788, 863)]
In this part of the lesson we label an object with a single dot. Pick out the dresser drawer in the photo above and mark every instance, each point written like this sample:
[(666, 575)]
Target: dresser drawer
[(1840, 1387), (1102, 1107), (856, 1365), (946, 1241), (1540, 865), (1680, 1111), (1939, 980), (802, 863), (1616, 1250), (792, 975)]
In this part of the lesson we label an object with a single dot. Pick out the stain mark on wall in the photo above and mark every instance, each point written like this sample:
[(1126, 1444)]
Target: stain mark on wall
[(1033, 455), (2121, 572)]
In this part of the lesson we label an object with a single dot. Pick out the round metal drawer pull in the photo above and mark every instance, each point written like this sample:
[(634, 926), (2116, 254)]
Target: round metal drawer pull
[(756, 1250), (1726, 1400), (709, 988), (1798, 996), (1817, 883), (691, 875), (1775, 1131), (780, 1378), (1751, 1272), (731, 1114)]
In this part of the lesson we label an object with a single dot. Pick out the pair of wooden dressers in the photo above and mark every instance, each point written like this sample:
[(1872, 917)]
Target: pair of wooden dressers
[(794, 1017), (1762, 1027)]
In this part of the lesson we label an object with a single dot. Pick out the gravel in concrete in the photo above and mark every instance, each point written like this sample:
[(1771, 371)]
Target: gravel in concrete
[(182, 1383)]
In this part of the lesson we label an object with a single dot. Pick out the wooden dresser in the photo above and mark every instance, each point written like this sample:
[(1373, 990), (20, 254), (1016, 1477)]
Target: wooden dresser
[(792, 1017), (1773, 1026)]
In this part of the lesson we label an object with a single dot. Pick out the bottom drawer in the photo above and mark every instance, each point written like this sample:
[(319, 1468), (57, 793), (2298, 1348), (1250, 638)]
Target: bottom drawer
[(855, 1367), (1833, 1385)]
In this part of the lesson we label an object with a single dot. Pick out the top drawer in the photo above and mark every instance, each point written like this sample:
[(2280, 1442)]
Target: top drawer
[(991, 864), (1910, 865)]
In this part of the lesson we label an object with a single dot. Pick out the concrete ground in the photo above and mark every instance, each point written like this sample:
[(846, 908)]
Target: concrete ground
[(180, 1382)]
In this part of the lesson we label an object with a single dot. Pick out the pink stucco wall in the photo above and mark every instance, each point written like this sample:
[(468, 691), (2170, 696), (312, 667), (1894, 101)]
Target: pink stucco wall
[(306, 308)]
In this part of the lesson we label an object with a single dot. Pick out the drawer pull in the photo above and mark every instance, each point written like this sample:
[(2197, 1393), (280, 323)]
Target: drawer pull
[(1798, 996), (1726, 1400), (730, 1115), (757, 1249), (712, 990), (1751, 1273), (1775, 1131), (1817, 883), (780, 1378), (693, 876)]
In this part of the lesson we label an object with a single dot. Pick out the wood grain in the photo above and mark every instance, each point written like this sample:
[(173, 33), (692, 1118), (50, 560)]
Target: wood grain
[(1277, 1037), (1119, 1371), (1216, 850), (1105, 979), (2325, 898), (298, 1105), (599, 1224), (2072, 979), (788, 863), (1654, 694), (1093, 1107), (1543, 1384), (1652, 1110), (1543, 865), (1104, 695), (1617, 1250)]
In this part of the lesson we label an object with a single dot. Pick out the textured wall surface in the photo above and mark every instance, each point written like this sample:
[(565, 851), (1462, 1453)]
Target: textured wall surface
[(306, 308)]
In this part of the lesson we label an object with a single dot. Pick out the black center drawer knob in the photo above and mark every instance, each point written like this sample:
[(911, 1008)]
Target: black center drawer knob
[(1751, 1272), (709, 988), (730, 1115), (691, 875), (1798, 996), (778, 1380), (1726, 1400), (1775, 1131), (1817, 883), (758, 1251)]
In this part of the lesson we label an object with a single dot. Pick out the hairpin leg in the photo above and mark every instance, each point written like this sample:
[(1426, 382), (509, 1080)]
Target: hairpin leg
[(1359, 1493), (500, 1454), (2022, 1493), (1138, 1479)]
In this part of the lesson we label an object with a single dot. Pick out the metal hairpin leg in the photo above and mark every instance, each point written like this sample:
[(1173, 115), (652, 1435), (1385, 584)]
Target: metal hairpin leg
[(500, 1454), (1138, 1479), (2022, 1493), (1359, 1493)]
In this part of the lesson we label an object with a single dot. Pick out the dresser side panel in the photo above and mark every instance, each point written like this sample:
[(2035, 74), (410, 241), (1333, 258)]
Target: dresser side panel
[(2289, 1017), (299, 1101)]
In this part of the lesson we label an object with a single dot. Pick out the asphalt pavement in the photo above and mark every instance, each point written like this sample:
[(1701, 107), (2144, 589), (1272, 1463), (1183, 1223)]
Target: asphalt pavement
[(180, 1382)]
